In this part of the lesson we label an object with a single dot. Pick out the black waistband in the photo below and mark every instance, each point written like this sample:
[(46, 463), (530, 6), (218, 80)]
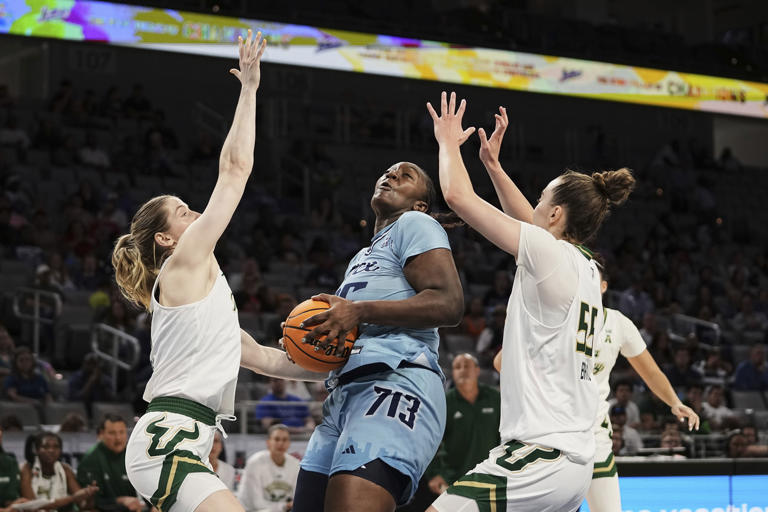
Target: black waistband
[(374, 368)]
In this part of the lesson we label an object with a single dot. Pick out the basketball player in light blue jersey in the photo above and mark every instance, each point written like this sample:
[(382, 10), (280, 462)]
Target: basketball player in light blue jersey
[(385, 416)]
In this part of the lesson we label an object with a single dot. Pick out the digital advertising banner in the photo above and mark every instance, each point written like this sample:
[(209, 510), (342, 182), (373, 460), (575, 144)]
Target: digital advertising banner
[(716, 493), (301, 45)]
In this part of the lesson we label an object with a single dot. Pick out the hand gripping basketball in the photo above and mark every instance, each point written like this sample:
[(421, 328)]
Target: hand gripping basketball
[(310, 349)]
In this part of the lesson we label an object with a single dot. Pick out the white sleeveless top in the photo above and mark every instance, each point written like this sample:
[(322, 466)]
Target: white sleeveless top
[(196, 349), (548, 395), (49, 487), (619, 336)]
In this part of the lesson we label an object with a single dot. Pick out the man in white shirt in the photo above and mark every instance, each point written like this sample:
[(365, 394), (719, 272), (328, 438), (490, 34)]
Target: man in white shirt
[(632, 440), (714, 409), (269, 478), (622, 396)]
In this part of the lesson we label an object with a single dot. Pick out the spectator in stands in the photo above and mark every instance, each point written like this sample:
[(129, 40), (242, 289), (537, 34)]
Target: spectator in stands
[(714, 369), (92, 153), (473, 413), (89, 384), (295, 417), (752, 375), (617, 440), (218, 460), (6, 100), (622, 396), (714, 408), (648, 330), (7, 346), (272, 329), (104, 464), (751, 325), (728, 162), (12, 136), (672, 445), (632, 441), (24, 384), (660, 349), (499, 293), (63, 99), (73, 422), (635, 302), (11, 423), (44, 476), (111, 105), (10, 480), (680, 373), (490, 339), (270, 475), (137, 105), (323, 274), (473, 322)]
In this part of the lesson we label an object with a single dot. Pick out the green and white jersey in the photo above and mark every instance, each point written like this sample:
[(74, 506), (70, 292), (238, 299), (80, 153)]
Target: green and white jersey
[(619, 336), (548, 395), (196, 349)]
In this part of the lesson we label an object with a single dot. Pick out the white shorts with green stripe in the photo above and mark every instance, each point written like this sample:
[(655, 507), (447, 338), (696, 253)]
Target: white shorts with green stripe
[(519, 477), (167, 456), (603, 494)]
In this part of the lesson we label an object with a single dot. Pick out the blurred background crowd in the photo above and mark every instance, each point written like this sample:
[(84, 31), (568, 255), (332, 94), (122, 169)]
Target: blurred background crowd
[(687, 259)]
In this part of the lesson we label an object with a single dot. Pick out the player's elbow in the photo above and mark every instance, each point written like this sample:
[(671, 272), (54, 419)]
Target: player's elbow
[(454, 309), (235, 165)]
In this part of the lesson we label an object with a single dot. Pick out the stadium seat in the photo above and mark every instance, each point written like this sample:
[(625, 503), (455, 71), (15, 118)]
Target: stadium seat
[(748, 400), (55, 412), (761, 420), (458, 343), (122, 409), (27, 413)]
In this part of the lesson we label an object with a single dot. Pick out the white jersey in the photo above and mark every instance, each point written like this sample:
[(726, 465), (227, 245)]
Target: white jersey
[(196, 349), (619, 335), (265, 485), (548, 395)]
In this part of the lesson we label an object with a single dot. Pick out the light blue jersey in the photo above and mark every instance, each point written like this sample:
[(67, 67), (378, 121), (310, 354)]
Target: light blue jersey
[(395, 415), (376, 273)]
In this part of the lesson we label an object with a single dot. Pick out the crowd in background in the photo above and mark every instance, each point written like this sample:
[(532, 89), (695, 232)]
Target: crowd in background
[(73, 173)]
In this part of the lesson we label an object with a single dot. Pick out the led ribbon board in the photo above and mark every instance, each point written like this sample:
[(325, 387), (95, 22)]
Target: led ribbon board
[(301, 45)]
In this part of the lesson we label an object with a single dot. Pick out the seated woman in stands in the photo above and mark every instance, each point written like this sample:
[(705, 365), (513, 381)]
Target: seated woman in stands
[(44, 476)]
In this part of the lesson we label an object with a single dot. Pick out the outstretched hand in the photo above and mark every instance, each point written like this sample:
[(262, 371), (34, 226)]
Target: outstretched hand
[(251, 51), (683, 412), (448, 124), (490, 148)]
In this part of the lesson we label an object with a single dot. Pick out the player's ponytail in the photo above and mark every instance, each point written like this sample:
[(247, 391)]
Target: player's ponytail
[(588, 200), (136, 257)]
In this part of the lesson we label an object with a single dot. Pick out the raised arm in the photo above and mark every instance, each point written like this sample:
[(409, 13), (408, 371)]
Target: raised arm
[(235, 163), (658, 383), (513, 202), (271, 361), (501, 229)]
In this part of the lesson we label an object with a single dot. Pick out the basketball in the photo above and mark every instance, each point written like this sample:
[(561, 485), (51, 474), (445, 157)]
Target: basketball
[(304, 354)]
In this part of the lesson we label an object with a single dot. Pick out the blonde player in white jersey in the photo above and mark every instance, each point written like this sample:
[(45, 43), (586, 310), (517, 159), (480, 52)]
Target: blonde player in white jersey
[(166, 265), (620, 336), (548, 396)]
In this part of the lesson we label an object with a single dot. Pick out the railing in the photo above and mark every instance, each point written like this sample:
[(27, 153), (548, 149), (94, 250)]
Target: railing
[(119, 340), (684, 325), (20, 311)]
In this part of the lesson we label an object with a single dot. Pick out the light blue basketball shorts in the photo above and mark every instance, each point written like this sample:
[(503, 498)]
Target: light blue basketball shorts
[(396, 416)]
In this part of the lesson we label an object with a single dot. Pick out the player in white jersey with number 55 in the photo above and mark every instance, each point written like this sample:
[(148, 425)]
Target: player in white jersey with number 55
[(620, 336), (548, 396)]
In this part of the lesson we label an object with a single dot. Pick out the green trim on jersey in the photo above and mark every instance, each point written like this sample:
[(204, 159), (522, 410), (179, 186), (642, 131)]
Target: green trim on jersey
[(516, 462), (605, 469), (489, 492), (584, 251), (183, 406), (176, 467)]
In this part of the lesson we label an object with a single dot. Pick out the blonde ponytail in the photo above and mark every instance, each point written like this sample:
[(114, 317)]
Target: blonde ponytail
[(134, 257)]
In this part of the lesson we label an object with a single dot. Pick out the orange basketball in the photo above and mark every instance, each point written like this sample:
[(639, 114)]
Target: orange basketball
[(304, 354)]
